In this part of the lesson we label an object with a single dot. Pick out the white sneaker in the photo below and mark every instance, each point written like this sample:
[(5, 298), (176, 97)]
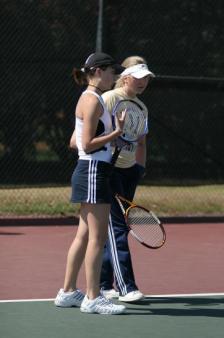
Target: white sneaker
[(69, 299), (109, 294), (132, 296), (102, 306)]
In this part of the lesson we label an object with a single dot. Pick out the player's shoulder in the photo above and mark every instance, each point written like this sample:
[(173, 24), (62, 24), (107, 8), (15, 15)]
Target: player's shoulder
[(111, 98), (90, 94), (89, 103), (90, 98), (111, 94)]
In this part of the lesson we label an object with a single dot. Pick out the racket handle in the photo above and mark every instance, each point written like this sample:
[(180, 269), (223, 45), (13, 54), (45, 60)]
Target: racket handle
[(115, 156)]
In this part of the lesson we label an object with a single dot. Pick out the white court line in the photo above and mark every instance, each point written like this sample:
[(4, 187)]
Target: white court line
[(187, 295), (27, 300), (219, 294)]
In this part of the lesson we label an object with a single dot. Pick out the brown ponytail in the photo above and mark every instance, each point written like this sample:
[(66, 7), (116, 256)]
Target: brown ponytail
[(79, 76), (82, 77)]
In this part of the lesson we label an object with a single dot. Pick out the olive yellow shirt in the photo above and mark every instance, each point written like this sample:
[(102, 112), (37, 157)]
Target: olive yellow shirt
[(126, 157)]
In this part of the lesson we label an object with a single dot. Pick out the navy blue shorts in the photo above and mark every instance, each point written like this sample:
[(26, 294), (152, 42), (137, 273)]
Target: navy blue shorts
[(91, 182)]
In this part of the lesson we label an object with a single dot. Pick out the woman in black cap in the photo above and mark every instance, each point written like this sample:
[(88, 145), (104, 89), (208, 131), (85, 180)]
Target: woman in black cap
[(90, 186)]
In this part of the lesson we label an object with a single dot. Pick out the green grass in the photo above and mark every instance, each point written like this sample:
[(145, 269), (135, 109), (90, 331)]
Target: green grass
[(165, 200), (183, 200), (35, 201)]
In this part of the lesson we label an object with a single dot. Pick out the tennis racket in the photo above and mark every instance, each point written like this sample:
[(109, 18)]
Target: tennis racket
[(142, 223), (135, 125)]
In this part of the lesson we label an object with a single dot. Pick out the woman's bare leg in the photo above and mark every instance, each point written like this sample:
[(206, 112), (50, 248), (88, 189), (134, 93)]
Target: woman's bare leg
[(76, 256), (97, 218)]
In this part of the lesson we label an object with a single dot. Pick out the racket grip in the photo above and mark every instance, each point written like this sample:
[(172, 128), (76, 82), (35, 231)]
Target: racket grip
[(115, 156)]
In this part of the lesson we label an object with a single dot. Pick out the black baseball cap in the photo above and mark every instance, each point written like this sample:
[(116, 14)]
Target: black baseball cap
[(99, 59)]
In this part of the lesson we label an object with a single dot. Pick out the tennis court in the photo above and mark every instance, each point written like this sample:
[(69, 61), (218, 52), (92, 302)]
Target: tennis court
[(183, 281)]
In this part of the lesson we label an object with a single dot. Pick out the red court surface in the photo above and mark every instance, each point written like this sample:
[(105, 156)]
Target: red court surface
[(32, 261)]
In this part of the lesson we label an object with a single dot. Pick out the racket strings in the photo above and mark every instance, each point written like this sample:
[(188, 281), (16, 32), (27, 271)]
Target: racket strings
[(145, 227), (135, 121)]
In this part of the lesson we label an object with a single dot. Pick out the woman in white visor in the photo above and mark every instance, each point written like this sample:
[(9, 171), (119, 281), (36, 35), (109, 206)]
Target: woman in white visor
[(117, 277)]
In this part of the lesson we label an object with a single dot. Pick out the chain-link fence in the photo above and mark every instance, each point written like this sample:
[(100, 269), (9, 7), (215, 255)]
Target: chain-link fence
[(41, 41)]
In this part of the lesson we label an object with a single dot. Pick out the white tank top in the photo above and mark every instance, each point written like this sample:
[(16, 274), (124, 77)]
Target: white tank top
[(104, 127)]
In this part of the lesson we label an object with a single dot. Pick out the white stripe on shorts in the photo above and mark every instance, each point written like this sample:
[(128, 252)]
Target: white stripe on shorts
[(92, 182)]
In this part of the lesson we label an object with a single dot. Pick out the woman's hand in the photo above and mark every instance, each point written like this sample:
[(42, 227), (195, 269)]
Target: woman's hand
[(119, 121)]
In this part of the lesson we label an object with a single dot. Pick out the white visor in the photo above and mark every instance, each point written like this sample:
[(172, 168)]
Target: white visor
[(138, 71)]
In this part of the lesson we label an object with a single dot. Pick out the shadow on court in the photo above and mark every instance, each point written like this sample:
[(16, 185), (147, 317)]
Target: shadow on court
[(4, 233), (203, 307), (194, 301)]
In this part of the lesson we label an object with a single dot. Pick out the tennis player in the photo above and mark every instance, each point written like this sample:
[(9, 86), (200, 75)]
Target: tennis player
[(90, 186), (129, 169)]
